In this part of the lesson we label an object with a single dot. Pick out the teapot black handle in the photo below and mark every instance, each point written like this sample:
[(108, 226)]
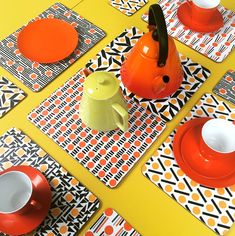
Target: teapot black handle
[(157, 19)]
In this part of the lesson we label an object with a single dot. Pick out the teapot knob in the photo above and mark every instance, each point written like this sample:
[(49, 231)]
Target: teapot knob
[(101, 80)]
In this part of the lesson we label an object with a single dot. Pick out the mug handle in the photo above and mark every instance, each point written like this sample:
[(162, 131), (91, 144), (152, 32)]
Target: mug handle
[(35, 204), (124, 116)]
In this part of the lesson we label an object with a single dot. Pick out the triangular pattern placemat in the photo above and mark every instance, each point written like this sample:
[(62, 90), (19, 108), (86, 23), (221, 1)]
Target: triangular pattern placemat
[(107, 155), (72, 203), (35, 75), (10, 95), (226, 87), (216, 46), (111, 223), (128, 7), (214, 207), (113, 55)]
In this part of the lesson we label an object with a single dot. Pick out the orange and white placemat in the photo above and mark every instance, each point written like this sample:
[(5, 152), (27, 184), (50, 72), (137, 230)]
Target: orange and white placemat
[(213, 207)]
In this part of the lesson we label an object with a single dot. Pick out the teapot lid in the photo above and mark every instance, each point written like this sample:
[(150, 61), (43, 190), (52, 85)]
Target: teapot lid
[(147, 46), (101, 85)]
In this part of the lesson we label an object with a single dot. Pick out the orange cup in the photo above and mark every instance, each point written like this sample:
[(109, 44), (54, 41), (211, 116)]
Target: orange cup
[(203, 11)]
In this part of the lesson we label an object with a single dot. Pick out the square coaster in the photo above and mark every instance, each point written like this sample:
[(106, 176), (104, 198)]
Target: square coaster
[(113, 55), (216, 46), (35, 75), (226, 87), (111, 223), (215, 207), (128, 7), (107, 155), (10, 95), (72, 204)]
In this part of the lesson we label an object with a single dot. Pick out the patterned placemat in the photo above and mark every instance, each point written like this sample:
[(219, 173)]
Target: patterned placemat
[(10, 95), (112, 56), (72, 204), (107, 155), (226, 87), (216, 46), (111, 223), (35, 75), (128, 7), (214, 207)]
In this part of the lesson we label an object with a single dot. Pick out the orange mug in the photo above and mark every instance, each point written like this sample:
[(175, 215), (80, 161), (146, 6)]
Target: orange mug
[(17, 196), (218, 139), (203, 11)]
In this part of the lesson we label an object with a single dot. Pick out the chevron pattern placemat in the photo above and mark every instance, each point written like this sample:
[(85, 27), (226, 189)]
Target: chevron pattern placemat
[(128, 7), (35, 75), (107, 155), (72, 204), (111, 223), (113, 55), (216, 46), (214, 207), (10, 95)]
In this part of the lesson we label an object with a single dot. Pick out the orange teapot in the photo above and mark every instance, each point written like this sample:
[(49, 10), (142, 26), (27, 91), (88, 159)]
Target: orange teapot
[(152, 69)]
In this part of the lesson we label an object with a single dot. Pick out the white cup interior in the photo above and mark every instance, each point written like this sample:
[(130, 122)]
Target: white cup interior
[(16, 190), (219, 135), (207, 4)]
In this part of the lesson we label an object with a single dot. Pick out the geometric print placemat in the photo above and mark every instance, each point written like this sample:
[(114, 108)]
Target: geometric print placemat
[(111, 223), (216, 46), (107, 155), (128, 7), (10, 95), (36, 75), (113, 55), (215, 207), (72, 203), (226, 87)]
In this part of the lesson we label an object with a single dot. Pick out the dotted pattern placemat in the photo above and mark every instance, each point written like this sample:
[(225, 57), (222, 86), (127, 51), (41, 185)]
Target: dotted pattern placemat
[(35, 75), (10, 95), (111, 223), (216, 46), (214, 207), (113, 55), (128, 7), (107, 155), (226, 87), (72, 203)]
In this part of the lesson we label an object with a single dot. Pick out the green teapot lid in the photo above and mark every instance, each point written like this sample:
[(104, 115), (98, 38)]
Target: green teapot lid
[(101, 85)]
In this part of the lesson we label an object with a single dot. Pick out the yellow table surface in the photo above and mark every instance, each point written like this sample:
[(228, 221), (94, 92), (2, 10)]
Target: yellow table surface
[(147, 208)]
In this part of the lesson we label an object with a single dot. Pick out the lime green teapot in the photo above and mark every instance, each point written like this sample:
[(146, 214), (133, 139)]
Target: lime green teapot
[(103, 106)]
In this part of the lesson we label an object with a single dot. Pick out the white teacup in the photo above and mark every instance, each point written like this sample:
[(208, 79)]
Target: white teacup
[(218, 138), (16, 193)]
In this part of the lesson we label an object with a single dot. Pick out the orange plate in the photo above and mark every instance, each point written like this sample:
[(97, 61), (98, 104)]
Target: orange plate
[(215, 173), (184, 15), (47, 40), (17, 224)]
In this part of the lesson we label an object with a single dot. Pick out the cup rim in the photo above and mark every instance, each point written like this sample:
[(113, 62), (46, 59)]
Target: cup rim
[(203, 134), (30, 195), (206, 8)]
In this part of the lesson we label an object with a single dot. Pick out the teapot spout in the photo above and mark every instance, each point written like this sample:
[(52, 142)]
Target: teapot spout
[(160, 83)]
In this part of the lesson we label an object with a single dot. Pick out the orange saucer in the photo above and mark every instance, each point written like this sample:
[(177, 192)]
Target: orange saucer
[(47, 40), (18, 224), (211, 172), (184, 15)]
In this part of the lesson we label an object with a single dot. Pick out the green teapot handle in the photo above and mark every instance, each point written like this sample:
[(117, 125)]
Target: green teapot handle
[(157, 19), (124, 117)]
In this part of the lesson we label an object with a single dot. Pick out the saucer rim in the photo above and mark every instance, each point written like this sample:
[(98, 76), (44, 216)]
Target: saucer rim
[(16, 218), (185, 167), (210, 28)]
